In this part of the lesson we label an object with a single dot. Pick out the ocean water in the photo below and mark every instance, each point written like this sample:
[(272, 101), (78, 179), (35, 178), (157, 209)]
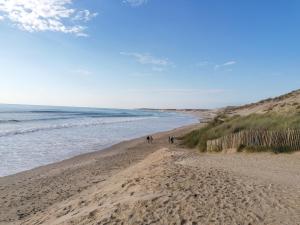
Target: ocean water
[(32, 136)]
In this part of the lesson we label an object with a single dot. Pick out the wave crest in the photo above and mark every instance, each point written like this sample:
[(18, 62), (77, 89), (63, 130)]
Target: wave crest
[(67, 125)]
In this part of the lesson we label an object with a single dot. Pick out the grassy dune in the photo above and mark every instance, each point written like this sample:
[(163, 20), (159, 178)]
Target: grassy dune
[(223, 125)]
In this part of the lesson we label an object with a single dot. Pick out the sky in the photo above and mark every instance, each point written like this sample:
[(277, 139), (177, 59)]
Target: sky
[(148, 53)]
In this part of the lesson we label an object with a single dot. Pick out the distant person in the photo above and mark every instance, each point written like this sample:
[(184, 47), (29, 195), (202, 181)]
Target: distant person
[(172, 139), (151, 139), (148, 139)]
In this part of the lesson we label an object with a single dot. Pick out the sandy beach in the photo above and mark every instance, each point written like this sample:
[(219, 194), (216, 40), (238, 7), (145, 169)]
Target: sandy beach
[(138, 183), (149, 112)]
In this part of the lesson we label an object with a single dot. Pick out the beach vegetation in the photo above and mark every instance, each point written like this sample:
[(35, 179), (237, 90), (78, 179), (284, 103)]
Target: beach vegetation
[(223, 125)]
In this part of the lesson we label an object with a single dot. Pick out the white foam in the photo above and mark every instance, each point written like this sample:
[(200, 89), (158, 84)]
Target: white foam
[(27, 145)]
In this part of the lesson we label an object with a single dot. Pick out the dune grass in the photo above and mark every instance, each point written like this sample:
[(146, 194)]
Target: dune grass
[(223, 125)]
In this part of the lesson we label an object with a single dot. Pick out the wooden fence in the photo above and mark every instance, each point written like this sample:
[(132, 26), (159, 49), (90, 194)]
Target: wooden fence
[(258, 138)]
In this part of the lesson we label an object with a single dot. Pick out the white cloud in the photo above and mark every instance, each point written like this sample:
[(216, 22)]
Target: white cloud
[(82, 72), (84, 15), (46, 15), (229, 63), (1, 18), (135, 3), (148, 59), (206, 64)]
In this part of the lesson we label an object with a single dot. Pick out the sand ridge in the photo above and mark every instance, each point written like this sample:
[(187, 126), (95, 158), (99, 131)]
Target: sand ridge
[(168, 188)]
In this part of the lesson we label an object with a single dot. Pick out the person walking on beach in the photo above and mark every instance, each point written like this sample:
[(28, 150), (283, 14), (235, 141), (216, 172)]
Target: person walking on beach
[(172, 139), (151, 139)]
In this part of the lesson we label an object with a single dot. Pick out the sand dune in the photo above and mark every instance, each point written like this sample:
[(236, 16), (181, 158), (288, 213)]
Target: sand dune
[(138, 183)]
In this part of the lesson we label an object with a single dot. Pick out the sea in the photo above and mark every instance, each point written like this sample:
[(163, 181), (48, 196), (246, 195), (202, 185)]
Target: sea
[(32, 136)]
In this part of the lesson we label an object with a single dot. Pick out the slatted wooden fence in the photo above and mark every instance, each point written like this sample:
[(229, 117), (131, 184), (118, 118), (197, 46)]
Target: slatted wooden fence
[(258, 138)]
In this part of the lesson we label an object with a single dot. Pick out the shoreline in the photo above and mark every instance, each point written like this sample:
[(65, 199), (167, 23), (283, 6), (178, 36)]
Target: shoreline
[(33, 185), (104, 151), (102, 148), (139, 183)]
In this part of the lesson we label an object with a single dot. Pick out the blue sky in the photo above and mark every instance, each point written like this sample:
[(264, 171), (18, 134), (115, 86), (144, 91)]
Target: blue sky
[(154, 53)]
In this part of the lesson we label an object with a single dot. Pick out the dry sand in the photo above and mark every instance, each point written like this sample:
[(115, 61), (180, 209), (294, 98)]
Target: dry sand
[(139, 183)]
